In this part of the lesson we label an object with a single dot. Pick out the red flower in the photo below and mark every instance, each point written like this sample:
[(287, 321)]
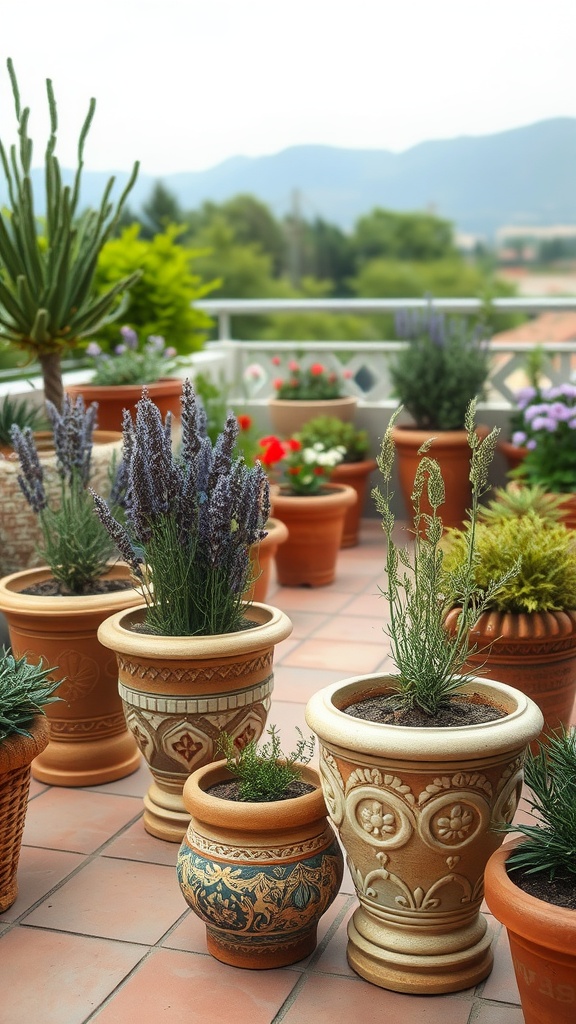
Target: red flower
[(293, 445), (294, 470), (347, 374), (316, 369), (244, 422), (278, 383), (293, 366), (275, 360), (319, 471), (273, 451)]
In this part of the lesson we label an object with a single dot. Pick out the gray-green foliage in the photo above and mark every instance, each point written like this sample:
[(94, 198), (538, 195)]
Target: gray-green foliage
[(418, 589), (549, 846), (19, 411), (24, 691), (264, 772)]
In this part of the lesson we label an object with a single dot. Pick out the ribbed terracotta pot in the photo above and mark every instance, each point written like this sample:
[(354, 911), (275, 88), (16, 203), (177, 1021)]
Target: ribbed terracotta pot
[(315, 529), (289, 415), (542, 943), (534, 652), (20, 531), (89, 741), (355, 475), (260, 875), (180, 692), (451, 451), (568, 509), (417, 812), (112, 400), (16, 755), (262, 556)]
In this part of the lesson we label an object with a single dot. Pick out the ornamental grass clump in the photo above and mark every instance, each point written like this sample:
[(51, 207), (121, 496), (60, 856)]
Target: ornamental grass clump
[(74, 544), (420, 590), (264, 773), (25, 690), (133, 361), (190, 519)]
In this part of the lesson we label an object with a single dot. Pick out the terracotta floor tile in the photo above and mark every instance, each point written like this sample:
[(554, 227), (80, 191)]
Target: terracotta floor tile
[(333, 959), (172, 987), (59, 979), (135, 843), (298, 684), (287, 716), (116, 899), (305, 623), (352, 629), (340, 655), (36, 788), (368, 605), (354, 581), (321, 600), (284, 648), (490, 1013), (135, 784), (38, 872), (326, 999), (501, 983), (59, 819)]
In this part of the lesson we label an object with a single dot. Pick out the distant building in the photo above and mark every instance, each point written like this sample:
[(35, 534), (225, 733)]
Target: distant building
[(547, 327)]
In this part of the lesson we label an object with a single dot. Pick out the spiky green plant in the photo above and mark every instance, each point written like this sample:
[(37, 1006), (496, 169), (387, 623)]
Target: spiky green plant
[(549, 846), (47, 301), (517, 500), (24, 692), (420, 591), (264, 772), (19, 411)]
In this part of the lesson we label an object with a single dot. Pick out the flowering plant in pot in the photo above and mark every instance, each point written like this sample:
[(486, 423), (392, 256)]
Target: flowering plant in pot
[(312, 507), (308, 391), (195, 658), (260, 863), (418, 766), (25, 690), (53, 612), (531, 886)]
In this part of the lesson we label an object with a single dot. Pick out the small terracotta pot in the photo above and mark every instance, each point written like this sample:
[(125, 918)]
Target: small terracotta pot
[(262, 557), (315, 528), (513, 453), (542, 943), (288, 416), (260, 875), (112, 400), (355, 475)]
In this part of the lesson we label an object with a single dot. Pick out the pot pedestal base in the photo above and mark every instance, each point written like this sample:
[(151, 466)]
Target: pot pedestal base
[(165, 816), (76, 763), (383, 963), (252, 956)]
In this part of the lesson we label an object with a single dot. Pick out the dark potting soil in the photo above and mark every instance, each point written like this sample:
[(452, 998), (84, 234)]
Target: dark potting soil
[(470, 711), (53, 588), (561, 891), (143, 627), (230, 790)]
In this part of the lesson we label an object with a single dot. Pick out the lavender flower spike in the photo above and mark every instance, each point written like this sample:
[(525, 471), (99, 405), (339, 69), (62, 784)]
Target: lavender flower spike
[(31, 479), (118, 534)]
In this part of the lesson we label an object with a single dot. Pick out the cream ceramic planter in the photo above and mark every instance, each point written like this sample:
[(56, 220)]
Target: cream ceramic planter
[(179, 693), (416, 810)]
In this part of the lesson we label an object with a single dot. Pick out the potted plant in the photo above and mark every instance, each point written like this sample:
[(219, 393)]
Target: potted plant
[(53, 612), (526, 634), (120, 375), (418, 766), (260, 863), (194, 659), (531, 887), (354, 469), (444, 366), (308, 391), (313, 509), (25, 690), (514, 451), (21, 412)]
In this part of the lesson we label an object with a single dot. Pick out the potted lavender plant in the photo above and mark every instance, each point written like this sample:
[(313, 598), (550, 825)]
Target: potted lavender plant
[(195, 658)]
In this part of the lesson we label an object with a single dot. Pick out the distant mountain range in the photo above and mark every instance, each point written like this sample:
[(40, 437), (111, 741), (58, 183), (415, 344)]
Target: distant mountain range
[(525, 176)]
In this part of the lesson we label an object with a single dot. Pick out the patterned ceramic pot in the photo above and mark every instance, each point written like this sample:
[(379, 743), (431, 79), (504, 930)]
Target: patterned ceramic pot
[(416, 810), (260, 875), (180, 692)]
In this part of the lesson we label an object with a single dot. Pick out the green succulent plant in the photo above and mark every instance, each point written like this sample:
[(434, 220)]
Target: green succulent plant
[(333, 433), (25, 690), (264, 772), (515, 501), (19, 411)]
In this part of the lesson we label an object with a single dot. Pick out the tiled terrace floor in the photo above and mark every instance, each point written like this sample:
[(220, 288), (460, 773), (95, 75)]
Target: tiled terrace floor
[(101, 933)]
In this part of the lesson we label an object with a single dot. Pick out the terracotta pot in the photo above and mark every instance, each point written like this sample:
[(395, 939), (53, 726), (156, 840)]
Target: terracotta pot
[(535, 652), (315, 529), (180, 692), (16, 754), (89, 741), (262, 556), (542, 942), (568, 509), (513, 453), (451, 451), (289, 415), (417, 811), (260, 875), (112, 400), (355, 475), (20, 531)]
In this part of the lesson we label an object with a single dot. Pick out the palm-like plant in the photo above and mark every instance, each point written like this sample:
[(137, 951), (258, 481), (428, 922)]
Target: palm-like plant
[(47, 301)]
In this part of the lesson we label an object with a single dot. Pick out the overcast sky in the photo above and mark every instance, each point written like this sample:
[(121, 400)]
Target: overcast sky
[(184, 84)]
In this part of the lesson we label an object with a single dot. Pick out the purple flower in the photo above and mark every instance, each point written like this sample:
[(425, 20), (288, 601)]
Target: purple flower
[(120, 349), (524, 396), (130, 337), (93, 350), (156, 342), (519, 438), (544, 423), (531, 444)]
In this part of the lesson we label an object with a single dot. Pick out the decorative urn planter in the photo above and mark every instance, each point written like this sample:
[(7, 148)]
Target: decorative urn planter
[(417, 810), (355, 475), (260, 875), (542, 943), (288, 415), (315, 530), (89, 741), (180, 692), (112, 400)]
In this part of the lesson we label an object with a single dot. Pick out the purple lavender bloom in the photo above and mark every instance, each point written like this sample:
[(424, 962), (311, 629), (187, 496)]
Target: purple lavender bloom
[(130, 337), (31, 479)]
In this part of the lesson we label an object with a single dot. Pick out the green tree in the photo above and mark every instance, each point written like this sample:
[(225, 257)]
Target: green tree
[(402, 236), (161, 210)]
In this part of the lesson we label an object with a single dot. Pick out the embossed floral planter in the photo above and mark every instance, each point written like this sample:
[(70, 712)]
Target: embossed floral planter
[(416, 811), (89, 741), (180, 692), (260, 875)]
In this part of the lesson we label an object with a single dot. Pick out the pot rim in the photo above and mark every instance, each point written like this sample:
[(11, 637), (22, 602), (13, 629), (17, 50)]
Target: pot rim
[(522, 723), (301, 402), (163, 384), (13, 600)]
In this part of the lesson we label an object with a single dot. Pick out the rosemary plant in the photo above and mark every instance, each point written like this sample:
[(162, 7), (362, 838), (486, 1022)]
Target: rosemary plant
[(264, 772), (550, 845), (419, 592), (24, 691), (190, 520), (74, 543)]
